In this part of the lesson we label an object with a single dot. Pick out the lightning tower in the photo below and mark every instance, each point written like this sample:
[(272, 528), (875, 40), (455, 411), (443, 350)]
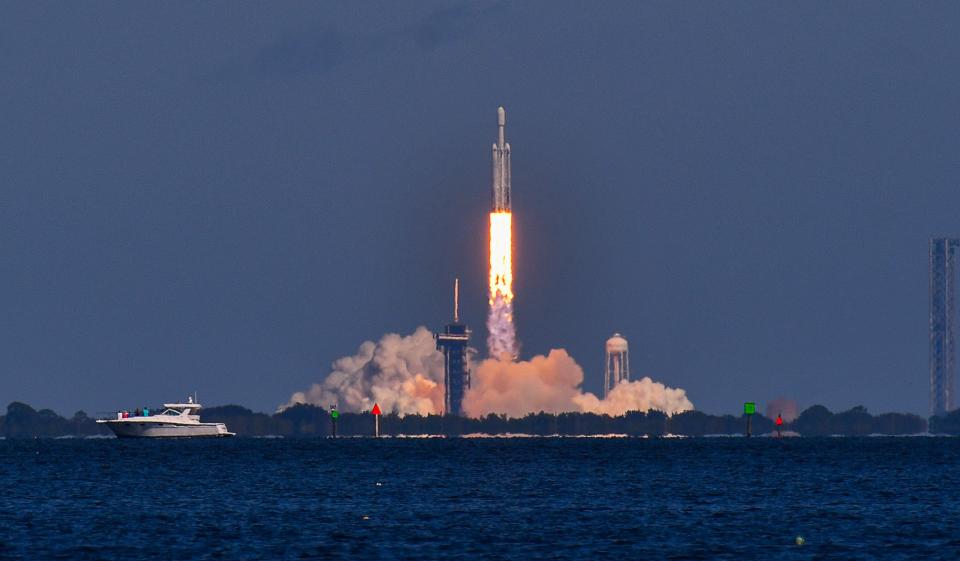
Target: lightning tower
[(944, 275), (502, 339)]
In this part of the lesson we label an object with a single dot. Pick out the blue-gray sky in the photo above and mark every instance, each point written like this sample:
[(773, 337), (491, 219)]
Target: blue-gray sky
[(225, 197)]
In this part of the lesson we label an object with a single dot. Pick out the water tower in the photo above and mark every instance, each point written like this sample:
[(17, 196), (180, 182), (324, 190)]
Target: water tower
[(617, 367)]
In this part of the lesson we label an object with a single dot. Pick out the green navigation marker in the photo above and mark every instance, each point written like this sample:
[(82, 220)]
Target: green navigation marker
[(749, 409), (334, 415)]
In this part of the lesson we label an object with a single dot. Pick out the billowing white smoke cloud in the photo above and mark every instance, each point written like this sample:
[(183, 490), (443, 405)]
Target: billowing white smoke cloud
[(402, 374), (502, 338), (639, 395), (405, 375), (552, 384), (544, 383)]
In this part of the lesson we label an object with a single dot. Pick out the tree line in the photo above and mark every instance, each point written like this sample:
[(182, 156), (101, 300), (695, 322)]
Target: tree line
[(22, 421)]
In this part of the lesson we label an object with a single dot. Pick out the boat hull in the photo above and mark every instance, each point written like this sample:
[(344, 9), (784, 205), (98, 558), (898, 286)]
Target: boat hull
[(167, 430)]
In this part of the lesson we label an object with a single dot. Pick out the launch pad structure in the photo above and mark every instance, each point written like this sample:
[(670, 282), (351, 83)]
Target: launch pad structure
[(453, 343), (944, 275)]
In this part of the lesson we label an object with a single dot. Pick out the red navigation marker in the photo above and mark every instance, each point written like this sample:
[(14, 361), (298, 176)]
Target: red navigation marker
[(376, 415)]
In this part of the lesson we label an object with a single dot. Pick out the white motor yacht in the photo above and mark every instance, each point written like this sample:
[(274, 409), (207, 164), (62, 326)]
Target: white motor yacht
[(178, 420)]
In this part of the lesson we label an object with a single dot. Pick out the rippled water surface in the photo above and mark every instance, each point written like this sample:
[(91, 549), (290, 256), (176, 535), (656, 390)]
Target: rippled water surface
[(518, 498)]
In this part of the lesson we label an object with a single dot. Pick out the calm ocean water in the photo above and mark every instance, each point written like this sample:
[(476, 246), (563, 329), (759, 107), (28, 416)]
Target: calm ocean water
[(519, 498)]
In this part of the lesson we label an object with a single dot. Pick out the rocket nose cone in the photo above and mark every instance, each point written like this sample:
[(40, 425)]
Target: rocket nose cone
[(501, 116)]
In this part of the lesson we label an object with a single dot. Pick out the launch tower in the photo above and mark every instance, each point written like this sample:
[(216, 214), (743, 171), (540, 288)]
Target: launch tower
[(456, 372), (944, 275), (617, 368)]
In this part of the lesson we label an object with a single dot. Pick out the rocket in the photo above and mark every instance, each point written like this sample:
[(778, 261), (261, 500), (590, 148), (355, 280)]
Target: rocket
[(501, 166)]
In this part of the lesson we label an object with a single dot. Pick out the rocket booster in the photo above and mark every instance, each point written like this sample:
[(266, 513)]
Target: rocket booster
[(501, 166)]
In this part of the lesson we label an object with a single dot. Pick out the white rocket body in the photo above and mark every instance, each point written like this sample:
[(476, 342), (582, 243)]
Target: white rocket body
[(501, 167)]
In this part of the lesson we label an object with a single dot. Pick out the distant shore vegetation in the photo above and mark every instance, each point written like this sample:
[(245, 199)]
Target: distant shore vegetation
[(22, 421)]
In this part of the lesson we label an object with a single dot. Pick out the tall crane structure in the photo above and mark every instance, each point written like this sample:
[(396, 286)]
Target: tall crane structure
[(944, 275)]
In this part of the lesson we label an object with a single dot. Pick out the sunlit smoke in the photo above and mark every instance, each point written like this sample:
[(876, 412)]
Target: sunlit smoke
[(502, 338), (402, 374), (405, 375), (637, 395), (552, 384)]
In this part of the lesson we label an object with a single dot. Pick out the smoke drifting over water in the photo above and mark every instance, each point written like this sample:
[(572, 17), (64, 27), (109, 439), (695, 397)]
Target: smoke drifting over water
[(405, 375)]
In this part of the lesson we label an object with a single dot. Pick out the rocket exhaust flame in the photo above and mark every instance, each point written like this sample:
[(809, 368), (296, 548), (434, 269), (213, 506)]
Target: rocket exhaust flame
[(502, 338), (501, 262), (502, 333)]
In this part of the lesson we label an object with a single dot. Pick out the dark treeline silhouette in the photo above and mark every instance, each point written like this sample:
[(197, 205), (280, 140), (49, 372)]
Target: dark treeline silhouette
[(22, 421), (946, 424), (819, 421)]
